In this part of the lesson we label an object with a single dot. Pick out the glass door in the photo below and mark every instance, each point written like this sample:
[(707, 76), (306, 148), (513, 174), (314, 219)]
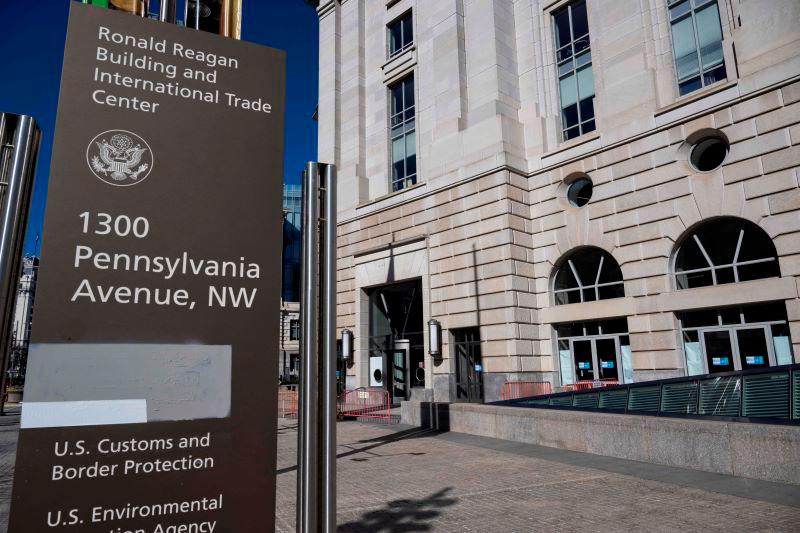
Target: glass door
[(399, 375), (719, 351), (607, 360), (753, 348), (584, 361)]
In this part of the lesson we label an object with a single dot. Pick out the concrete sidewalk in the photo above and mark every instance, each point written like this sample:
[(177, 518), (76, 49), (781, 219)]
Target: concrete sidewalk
[(397, 479), (401, 479)]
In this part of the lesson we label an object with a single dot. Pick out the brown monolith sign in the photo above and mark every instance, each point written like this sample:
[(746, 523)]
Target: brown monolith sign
[(151, 393)]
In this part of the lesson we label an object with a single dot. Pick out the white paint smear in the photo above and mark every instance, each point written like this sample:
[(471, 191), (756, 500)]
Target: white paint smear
[(83, 413)]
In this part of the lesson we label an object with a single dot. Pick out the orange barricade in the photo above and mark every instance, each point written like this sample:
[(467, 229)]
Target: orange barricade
[(589, 384), (522, 389), (287, 403), (365, 403)]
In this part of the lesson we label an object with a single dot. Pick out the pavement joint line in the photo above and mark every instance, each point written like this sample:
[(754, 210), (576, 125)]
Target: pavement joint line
[(752, 489)]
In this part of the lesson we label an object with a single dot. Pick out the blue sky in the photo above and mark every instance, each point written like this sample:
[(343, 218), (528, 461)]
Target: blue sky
[(32, 49)]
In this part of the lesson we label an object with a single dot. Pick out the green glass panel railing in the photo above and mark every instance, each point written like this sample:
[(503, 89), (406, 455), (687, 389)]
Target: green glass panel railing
[(645, 398), (720, 396), (561, 400), (796, 394), (763, 394), (615, 399), (586, 401), (679, 398), (766, 395)]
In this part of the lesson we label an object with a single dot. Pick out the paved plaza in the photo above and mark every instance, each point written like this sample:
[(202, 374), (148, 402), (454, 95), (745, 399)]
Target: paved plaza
[(398, 479)]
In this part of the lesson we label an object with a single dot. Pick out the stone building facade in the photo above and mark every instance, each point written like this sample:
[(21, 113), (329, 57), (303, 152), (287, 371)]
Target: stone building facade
[(491, 153)]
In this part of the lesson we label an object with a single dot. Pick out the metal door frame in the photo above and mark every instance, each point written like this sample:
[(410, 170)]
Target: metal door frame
[(592, 339), (469, 385), (735, 353)]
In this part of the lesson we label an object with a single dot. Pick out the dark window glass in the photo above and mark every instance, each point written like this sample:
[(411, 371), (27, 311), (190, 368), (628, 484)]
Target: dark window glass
[(726, 242), (697, 319), (696, 44), (574, 68), (753, 352), (401, 34), (731, 315), (615, 326), (708, 154), (403, 137), (571, 329), (599, 276), (690, 257), (764, 313)]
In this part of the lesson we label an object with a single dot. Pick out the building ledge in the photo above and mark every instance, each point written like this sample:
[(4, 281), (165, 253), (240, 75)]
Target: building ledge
[(697, 95)]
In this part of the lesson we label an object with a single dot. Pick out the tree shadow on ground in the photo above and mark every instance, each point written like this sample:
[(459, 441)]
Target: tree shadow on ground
[(401, 516)]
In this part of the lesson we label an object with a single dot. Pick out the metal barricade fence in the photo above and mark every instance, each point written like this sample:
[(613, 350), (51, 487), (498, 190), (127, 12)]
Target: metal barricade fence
[(589, 384), (365, 403), (287, 402), (523, 389)]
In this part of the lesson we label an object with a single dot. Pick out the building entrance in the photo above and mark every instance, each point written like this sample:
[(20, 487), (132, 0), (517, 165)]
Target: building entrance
[(396, 342), (592, 351), (469, 364), (736, 338)]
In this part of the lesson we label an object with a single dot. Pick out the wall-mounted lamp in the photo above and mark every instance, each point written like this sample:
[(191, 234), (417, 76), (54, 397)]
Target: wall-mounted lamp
[(347, 344), (434, 338)]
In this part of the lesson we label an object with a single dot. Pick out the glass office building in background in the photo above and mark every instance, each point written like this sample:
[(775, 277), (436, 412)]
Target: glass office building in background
[(292, 198)]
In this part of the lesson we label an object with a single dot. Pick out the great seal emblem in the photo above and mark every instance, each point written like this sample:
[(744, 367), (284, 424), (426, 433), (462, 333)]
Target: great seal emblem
[(119, 157)]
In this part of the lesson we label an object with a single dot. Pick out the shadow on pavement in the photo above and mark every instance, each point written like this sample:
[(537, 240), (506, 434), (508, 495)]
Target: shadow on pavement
[(400, 516), (378, 442)]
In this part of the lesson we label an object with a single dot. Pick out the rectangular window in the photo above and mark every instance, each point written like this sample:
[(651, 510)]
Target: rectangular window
[(403, 136), (294, 330), (696, 43), (401, 34), (575, 79)]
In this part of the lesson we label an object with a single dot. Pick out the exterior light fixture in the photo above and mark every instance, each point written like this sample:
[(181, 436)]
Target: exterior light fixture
[(347, 344), (434, 337)]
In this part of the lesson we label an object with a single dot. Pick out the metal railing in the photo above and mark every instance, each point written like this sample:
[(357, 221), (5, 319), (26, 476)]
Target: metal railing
[(762, 395), (524, 389), (365, 403)]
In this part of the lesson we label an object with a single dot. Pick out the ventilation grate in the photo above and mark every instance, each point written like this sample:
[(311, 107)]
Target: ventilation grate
[(614, 399), (679, 398), (586, 401), (766, 395), (796, 394), (644, 398)]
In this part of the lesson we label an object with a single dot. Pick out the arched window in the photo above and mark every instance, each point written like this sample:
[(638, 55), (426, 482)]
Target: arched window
[(725, 251), (587, 275)]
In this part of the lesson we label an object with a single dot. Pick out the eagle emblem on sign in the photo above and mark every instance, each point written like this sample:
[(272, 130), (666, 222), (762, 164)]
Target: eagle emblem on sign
[(119, 157)]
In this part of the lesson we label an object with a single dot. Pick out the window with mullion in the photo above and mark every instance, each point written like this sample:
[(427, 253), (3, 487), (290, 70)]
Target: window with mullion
[(696, 43), (402, 134), (574, 64), (401, 34)]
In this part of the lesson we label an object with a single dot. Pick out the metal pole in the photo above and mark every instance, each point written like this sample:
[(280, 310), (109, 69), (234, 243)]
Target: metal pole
[(328, 470), (166, 11), (307, 441), (13, 219)]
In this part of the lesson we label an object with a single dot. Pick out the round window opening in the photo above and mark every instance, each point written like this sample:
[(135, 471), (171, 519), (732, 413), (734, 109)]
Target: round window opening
[(708, 154), (579, 192)]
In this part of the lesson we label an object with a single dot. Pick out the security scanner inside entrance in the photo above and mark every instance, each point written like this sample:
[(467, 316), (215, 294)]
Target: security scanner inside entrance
[(396, 344)]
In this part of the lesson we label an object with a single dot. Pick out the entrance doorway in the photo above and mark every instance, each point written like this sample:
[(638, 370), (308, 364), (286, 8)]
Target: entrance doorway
[(469, 364), (736, 338), (396, 342), (597, 358), (594, 351)]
